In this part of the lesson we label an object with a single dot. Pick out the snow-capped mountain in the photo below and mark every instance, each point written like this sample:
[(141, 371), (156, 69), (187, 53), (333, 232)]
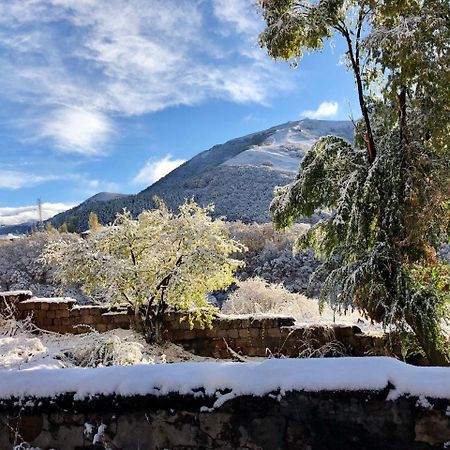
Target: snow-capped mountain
[(238, 177)]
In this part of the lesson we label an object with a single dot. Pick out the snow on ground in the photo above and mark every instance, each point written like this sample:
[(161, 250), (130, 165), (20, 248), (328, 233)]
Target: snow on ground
[(53, 351), (286, 146), (283, 150), (256, 378)]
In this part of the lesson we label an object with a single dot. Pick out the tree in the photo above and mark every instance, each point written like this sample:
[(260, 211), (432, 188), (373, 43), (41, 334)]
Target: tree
[(20, 267), (63, 228), (49, 228), (158, 261), (72, 226), (94, 224), (389, 190)]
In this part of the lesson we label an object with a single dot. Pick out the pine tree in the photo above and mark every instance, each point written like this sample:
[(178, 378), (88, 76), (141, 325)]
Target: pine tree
[(390, 191), (63, 228), (49, 228), (72, 225), (94, 224)]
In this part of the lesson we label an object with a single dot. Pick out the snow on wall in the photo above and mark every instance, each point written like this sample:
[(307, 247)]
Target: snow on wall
[(279, 375)]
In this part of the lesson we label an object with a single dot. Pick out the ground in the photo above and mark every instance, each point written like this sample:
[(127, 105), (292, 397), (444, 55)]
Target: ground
[(25, 350)]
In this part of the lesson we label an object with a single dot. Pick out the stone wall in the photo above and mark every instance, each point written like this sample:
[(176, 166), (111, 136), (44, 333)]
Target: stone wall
[(64, 315), (296, 420), (272, 336), (246, 335)]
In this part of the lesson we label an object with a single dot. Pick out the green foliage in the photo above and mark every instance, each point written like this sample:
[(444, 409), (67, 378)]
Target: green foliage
[(295, 27), (391, 206), (157, 261), (72, 225)]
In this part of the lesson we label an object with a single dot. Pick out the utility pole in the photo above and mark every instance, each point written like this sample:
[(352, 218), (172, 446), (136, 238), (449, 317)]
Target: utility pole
[(39, 205)]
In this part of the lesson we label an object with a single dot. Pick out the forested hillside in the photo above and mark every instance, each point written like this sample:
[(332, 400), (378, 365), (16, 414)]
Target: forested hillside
[(238, 177)]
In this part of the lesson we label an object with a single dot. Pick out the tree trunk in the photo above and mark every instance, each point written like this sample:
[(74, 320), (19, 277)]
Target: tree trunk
[(354, 59), (153, 322), (436, 356)]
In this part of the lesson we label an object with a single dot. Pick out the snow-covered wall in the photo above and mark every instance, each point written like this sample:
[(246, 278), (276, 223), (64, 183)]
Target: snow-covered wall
[(335, 403), (251, 335)]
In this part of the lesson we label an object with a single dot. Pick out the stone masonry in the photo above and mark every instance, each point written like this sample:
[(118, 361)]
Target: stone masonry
[(259, 335), (357, 420)]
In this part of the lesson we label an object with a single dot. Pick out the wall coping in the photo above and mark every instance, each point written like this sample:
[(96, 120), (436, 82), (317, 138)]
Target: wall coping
[(68, 300)]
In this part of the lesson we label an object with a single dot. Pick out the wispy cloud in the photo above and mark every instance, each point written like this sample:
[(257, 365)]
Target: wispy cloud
[(323, 111), (14, 179), (77, 130), (83, 183), (239, 13), (80, 63), (156, 169), (22, 214)]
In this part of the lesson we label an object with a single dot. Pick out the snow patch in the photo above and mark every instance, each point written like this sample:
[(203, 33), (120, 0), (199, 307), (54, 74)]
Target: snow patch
[(50, 300), (423, 402)]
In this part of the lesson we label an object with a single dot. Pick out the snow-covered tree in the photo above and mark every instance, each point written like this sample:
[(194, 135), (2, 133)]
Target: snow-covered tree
[(390, 190), (20, 267), (160, 260)]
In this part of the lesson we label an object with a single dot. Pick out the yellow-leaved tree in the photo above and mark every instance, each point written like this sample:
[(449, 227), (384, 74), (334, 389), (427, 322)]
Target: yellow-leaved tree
[(158, 261)]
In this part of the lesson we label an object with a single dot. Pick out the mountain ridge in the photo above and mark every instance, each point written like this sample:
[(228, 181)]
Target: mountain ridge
[(238, 176)]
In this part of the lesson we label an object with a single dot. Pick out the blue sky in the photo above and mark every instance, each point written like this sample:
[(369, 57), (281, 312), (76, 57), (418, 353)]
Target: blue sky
[(110, 95)]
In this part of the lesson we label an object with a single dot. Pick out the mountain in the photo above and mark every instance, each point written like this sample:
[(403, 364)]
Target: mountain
[(99, 203), (21, 228), (238, 177)]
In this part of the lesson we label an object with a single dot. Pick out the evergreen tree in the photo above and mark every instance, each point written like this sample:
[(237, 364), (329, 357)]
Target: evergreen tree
[(72, 225), (63, 228), (94, 224), (390, 191)]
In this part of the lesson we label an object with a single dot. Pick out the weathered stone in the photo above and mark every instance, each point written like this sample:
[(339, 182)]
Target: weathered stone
[(274, 332), (233, 333), (433, 428)]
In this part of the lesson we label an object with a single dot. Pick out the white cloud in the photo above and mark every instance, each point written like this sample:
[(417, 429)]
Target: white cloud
[(77, 130), (239, 13), (83, 183), (124, 58), (22, 214), (156, 169), (13, 179), (325, 109)]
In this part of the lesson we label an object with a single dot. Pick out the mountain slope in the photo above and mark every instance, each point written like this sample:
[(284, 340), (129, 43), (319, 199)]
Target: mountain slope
[(98, 203), (238, 177)]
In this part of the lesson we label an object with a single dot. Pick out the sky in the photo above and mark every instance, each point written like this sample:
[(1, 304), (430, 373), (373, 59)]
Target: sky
[(112, 95)]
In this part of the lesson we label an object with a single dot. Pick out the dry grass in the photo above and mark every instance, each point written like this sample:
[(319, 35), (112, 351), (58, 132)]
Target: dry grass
[(257, 296)]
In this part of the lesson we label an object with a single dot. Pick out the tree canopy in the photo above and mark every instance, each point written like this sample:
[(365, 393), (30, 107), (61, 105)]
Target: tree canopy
[(390, 189), (159, 260)]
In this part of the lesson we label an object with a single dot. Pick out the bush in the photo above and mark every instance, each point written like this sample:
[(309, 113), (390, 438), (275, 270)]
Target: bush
[(269, 255), (20, 267), (256, 296)]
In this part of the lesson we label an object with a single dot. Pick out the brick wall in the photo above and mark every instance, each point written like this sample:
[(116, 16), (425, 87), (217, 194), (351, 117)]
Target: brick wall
[(259, 335)]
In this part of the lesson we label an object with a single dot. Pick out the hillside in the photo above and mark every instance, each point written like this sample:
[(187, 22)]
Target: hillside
[(98, 203), (238, 177)]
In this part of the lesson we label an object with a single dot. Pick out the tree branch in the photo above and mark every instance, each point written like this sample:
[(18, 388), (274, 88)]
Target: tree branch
[(354, 57)]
